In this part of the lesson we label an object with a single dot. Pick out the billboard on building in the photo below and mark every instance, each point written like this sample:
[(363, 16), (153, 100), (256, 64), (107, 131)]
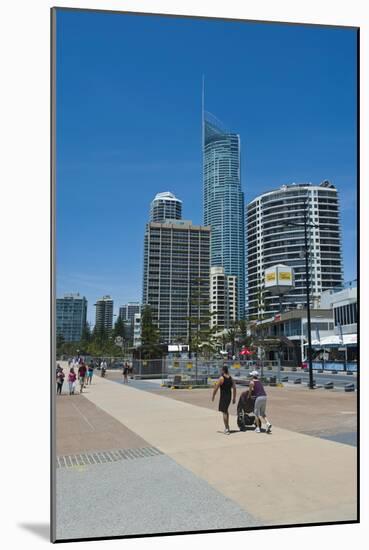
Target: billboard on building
[(279, 279)]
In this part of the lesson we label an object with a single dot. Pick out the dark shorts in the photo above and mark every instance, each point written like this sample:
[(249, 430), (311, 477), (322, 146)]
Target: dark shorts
[(224, 403)]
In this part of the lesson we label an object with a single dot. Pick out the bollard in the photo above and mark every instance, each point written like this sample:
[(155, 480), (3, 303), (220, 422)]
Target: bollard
[(314, 383), (294, 369), (297, 381), (349, 387), (333, 372), (284, 379), (328, 386)]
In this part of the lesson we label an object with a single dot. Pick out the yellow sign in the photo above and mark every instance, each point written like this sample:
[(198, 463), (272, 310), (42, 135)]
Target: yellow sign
[(176, 364), (236, 366), (270, 277), (285, 275), (189, 365)]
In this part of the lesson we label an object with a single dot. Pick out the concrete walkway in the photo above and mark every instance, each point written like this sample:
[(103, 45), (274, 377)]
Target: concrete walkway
[(283, 478)]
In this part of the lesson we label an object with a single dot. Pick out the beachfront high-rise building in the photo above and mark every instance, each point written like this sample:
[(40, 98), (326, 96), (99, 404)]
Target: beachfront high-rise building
[(223, 202), (271, 241), (104, 314), (127, 311), (177, 277), (223, 298), (165, 206), (71, 312)]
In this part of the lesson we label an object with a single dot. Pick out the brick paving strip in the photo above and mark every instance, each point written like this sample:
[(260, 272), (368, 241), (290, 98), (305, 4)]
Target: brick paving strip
[(81, 426), (283, 478)]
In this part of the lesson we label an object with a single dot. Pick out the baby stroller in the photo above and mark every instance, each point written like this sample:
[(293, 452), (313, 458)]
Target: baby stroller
[(245, 411)]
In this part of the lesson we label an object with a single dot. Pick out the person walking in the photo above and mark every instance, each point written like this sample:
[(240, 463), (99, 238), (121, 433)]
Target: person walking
[(256, 389), (81, 376), (125, 373), (227, 388), (90, 372), (72, 377), (59, 379)]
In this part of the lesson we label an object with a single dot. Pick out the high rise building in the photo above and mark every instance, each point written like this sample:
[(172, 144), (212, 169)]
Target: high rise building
[(137, 330), (123, 312), (104, 314), (71, 312), (272, 241), (223, 202), (127, 311), (223, 298), (165, 206), (177, 277)]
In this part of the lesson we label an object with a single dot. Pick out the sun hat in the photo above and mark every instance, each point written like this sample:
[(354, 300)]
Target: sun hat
[(254, 373)]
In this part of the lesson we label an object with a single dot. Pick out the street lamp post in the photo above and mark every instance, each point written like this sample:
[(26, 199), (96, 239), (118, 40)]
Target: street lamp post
[(189, 321), (305, 225), (307, 273)]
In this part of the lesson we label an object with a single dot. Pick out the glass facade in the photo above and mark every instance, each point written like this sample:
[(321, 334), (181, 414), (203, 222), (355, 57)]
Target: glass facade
[(223, 202), (345, 315), (71, 314)]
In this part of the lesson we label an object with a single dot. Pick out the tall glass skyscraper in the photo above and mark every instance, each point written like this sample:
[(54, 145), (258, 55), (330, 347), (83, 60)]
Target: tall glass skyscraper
[(223, 202)]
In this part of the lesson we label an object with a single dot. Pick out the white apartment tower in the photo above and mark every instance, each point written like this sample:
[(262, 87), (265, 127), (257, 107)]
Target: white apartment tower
[(223, 298), (275, 234)]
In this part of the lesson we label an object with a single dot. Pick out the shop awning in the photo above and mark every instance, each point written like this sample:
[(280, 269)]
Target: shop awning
[(335, 341)]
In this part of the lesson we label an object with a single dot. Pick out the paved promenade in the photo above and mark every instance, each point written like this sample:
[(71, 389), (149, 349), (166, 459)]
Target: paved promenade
[(201, 478)]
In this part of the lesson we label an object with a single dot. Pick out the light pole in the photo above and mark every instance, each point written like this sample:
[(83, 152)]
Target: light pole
[(305, 225), (189, 320)]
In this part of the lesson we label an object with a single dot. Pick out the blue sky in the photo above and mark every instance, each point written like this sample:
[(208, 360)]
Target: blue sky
[(129, 125)]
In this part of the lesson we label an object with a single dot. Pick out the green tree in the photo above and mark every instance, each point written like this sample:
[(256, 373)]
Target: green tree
[(232, 334), (150, 337), (201, 335), (119, 328), (86, 335), (245, 338)]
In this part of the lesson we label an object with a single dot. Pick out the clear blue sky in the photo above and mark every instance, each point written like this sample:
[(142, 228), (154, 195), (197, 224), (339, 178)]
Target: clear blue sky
[(129, 126)]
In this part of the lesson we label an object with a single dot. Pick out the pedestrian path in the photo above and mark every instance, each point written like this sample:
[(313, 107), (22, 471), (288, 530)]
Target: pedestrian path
[(283, 478)]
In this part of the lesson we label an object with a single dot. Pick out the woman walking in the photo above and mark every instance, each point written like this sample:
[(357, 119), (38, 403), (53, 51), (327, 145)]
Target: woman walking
[(59, 380), (82, 375), (72, 377), (227, 387), (125, 373), (90, 373)]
